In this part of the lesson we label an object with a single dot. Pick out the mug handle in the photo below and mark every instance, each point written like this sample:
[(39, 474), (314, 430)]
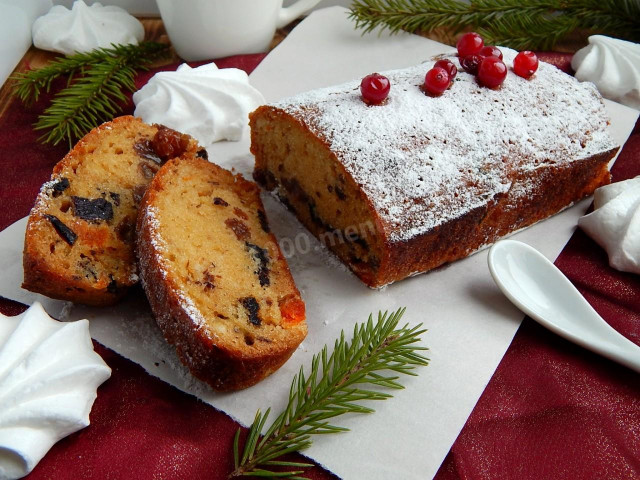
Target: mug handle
[(289, 14)]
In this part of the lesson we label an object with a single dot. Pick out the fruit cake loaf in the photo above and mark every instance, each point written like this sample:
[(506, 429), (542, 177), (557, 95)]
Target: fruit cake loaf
[(79, 238), (418, 181), (217, 282)]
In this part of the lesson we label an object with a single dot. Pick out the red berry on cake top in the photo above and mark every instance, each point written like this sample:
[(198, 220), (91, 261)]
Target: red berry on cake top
[(490, 51), (525, 64), (492, 72), (471, 63), (436, 81), (449, 66), (374, 89), (469, 44)]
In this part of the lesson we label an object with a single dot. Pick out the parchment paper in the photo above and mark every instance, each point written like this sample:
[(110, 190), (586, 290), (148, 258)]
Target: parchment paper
[(470, 324)]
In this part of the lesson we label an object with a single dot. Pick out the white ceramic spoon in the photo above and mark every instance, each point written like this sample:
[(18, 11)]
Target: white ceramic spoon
[(542, 291)]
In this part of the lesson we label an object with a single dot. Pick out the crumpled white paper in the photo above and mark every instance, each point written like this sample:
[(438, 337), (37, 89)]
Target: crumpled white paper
[(615, 223), (470, 323)]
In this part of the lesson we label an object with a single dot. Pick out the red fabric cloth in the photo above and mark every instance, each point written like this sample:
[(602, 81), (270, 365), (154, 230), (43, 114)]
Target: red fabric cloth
[(552, 409)]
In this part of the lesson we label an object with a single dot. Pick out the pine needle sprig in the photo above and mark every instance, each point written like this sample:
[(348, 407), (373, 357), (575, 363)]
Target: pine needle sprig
[(95, 88), (355, 371), (533, 24)]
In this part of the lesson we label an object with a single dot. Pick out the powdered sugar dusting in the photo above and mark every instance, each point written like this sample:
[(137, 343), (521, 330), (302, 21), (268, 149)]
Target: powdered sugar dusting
[(423, 161)]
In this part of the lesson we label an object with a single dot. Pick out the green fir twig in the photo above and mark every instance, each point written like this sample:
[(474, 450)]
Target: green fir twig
[(94, 92), (355, 371), (520, 24)]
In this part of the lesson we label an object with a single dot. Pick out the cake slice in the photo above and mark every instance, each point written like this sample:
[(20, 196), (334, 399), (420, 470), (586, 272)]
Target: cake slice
[(79, 242), (215, 277), (403, 187)]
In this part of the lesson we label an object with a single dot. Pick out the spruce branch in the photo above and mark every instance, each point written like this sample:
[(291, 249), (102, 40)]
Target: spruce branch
[(94, 91), (355, 371), (533, 24)]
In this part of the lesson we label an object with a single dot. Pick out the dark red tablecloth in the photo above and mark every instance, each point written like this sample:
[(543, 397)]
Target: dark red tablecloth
[(551, 411)]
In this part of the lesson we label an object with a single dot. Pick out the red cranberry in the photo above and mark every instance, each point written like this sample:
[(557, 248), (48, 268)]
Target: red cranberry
[(525, 64), (471, 63), (449, 66), (490, 51), (469, 44), (492, 72), (436, 81), (374, 88)]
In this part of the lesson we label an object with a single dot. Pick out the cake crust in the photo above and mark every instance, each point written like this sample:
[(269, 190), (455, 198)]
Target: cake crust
[(422, 181)]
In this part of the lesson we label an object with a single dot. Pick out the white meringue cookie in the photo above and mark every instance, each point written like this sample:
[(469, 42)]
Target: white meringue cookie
[(84, 28), (49, 374), (613, 65), (615, 223), (208, 103)]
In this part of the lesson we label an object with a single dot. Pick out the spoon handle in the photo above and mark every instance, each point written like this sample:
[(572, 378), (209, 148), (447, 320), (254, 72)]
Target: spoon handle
[(538, 288)]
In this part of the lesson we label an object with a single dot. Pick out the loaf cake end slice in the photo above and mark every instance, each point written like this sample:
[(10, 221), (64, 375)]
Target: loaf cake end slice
[(79, 242)]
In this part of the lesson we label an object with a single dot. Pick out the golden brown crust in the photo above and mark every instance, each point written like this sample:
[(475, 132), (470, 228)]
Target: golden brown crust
[(204, 319), (559, 188), (79, 236)]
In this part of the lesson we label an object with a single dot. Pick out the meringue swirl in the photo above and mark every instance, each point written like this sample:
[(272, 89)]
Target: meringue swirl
[(615, 223), (208, 103), (49, 374), (84, 28), (613, 65)]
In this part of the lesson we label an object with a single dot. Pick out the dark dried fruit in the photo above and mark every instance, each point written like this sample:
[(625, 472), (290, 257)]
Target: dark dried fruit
[(262, 217), (93, 210), (202, 154), (60, 186), (261, 257), (208, 278), (252, 307), (168, 143), (65, 232), (340, 193), (148, 170), (238, 227), (125, 229), (115, 197), (240, 213), (138, 193), (265, 178), (220, 201), (145, 150), (86, 265)]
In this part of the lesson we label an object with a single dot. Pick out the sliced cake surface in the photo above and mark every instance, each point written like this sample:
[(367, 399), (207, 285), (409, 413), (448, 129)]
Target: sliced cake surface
[(403, 187), (79, 242), (215, 277)]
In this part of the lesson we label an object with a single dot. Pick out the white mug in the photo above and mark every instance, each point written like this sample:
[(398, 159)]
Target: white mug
[(207, 29)]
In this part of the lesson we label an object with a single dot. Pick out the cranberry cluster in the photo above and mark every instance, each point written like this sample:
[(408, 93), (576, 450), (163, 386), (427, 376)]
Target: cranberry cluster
[(476, 58), (486, 63)]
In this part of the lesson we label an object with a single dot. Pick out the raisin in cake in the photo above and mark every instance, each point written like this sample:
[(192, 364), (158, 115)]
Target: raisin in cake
[(403, 187), (79, 242), (218, 285)]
